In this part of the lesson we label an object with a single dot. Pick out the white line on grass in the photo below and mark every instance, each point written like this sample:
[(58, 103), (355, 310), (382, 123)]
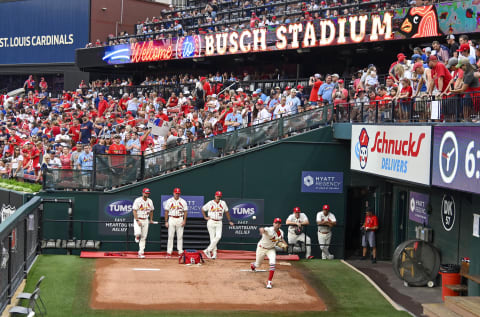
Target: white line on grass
[(144, 269)]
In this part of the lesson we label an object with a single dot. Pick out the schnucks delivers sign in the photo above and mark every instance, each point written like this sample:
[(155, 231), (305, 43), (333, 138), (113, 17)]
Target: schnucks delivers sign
[(456, 158), (400, 152)]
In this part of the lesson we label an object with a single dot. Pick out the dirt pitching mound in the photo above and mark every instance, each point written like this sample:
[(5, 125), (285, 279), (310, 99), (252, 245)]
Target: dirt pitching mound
[(216, 285)]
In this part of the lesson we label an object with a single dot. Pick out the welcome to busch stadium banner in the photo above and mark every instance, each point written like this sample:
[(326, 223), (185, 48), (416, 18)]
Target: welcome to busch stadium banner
[(405, 23)]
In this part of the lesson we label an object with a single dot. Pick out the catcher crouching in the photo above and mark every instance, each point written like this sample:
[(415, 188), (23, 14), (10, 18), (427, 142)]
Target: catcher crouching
[(271, 237)]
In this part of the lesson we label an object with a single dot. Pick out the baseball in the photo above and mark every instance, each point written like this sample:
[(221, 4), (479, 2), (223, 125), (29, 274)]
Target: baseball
[(254, 217)]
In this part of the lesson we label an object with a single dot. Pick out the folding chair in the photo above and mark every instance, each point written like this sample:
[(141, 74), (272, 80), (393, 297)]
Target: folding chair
[(27, 311), (27, 296)]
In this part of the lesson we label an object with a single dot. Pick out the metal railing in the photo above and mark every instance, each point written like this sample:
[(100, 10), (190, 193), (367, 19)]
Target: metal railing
[(19, 240), (453, 108), (167, 88), (116, 170)]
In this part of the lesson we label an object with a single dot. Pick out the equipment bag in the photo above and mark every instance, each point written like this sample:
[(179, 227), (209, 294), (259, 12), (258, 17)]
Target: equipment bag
[(191, 257)]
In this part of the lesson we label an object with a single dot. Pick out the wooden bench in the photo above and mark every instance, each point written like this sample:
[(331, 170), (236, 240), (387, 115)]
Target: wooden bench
[(464, 272)]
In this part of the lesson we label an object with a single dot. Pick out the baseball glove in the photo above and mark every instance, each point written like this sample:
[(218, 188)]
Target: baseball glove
[(282, 245)]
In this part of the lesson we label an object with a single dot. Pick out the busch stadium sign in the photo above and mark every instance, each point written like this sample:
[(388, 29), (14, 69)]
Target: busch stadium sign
[(405, 23)]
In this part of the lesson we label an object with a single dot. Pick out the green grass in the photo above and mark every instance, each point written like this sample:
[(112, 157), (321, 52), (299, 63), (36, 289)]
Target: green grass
[(66, 291), (20, 186)]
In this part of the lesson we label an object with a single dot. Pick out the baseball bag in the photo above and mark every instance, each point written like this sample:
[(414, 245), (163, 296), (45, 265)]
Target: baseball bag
[(191, 257)]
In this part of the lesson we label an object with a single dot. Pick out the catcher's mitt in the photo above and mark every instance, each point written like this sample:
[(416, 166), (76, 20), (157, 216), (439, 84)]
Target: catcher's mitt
[(282, 245)]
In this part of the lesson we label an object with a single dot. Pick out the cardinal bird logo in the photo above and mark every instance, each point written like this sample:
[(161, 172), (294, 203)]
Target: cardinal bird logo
[(421, 22), (363, 139)]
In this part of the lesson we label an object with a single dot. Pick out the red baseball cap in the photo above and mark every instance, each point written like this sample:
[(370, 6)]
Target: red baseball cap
[(146, 191), (464, 48), (326, 207), (176, 191), (341, 81), (277, 220), (218, 193), (432, 58), (417, 65), (299, 87), (260, 101), (296, 209), (287, 88), (400, 55)]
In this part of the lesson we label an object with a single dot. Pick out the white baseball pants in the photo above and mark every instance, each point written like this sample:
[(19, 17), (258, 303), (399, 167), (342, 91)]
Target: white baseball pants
[(142, 231), (215, 231), (175, 226), (324, 241), (293, 238), (260, 256)]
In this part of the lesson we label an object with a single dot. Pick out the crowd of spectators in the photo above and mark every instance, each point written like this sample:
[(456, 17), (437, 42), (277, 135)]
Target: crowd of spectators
[(225, 15), (38, 131)]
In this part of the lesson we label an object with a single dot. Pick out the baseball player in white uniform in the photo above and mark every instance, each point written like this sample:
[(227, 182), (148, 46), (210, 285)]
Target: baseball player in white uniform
[(215, 208), (295, 222), (325, 221), (143, 216), (175, 219), (266, 246)]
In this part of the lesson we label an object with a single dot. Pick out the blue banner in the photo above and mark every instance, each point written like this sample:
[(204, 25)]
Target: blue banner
[(247, 215), (418, 210), (322, 182), (195, 204), (117, 210), (43, 31), (456, 158)]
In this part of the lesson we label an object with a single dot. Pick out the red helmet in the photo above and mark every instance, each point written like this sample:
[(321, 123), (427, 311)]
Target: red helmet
[(326, 207), (146, 191), (218, 193), (277, 220), (177, 191), (296, 209)]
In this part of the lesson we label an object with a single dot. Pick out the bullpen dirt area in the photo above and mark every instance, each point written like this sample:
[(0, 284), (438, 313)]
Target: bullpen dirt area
[(163, 284)]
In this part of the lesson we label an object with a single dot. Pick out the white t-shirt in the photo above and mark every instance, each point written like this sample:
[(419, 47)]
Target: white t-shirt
[(143, 207), (270, 238), (263, 116), (215, 211), (16, 161), (175, 207), (322, 217), (303, 217)]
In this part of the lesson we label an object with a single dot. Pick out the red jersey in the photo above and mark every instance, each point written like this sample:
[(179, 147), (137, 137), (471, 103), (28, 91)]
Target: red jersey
[(207, 88), (409, 91), (117, 149)]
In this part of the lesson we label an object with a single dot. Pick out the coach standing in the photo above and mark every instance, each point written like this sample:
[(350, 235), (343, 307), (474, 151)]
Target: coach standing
[(143, 214), (325, 221), (215, 208), (175, 219)]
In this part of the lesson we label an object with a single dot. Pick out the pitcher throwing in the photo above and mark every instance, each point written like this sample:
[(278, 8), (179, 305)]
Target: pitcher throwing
[(271, 236)]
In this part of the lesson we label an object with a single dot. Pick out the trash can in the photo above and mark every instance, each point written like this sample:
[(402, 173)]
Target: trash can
[(450, 276)]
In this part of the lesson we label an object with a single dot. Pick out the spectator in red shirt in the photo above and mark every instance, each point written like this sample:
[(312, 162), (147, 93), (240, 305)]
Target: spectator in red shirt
[(102, 105), (315, 82), (206, 86), (405, 99), (116, 147), (440, 76), (43, 84)]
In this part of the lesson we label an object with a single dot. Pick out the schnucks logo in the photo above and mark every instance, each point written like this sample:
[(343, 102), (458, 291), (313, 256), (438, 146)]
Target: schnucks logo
[(363, 140), (244, 210), (402, 147), (119, 208)]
